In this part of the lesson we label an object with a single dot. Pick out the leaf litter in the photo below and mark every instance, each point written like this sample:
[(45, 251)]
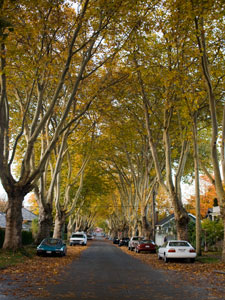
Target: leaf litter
[(30, 277)]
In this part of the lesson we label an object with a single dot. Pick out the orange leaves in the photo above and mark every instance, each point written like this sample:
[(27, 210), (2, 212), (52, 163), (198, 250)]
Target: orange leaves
[(199, 273), (32, 276), (208, 194)]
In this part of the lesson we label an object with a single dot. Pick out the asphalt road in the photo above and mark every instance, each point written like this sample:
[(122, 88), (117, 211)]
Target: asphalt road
[(105, 272)]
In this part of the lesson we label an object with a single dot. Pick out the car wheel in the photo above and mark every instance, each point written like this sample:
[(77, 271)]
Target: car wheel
[(159, 257), (138, 251), (166, 259), (128, 248)]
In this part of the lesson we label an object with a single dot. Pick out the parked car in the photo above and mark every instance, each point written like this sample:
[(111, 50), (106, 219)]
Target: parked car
[(175, 249), (90, 237), (133, 241), (78, 238), (124, 242), (52, 246), (145, 245), (116, 240)]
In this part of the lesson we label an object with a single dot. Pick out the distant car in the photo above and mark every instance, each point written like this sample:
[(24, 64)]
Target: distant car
[(78, 238), (176, 249), (133, 241), (90, 237), (52, 246), (124, 242), (116, 240), (146, 246)]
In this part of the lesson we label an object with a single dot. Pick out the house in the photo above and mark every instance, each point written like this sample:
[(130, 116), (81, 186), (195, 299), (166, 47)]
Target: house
[(213, 213), (166, 228), (27, 215)]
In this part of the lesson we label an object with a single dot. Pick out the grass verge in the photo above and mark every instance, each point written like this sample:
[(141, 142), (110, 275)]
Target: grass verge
[(11, 258), (209, 257)]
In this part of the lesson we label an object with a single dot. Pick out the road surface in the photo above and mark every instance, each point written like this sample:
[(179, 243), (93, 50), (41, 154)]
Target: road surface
[(104, 272)]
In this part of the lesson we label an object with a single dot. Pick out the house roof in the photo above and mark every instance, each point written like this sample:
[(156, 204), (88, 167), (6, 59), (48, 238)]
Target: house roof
[(2, 220), (171, 217), (26, 214), (165, 220)]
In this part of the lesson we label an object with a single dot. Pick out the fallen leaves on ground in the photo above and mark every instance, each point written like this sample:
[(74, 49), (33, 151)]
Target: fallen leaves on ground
[(30, 278), (205, 274)]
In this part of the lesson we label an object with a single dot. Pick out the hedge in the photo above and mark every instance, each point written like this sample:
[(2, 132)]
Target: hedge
[(2, 235), (27, 238)]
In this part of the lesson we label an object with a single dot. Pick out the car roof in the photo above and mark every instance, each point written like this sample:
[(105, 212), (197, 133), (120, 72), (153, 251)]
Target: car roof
[(178, 241)]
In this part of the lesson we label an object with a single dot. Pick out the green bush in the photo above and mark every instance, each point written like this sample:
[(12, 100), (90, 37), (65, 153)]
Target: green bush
[(34, 227), (27, 238), (213, 231), (2, 236), (192, 233)]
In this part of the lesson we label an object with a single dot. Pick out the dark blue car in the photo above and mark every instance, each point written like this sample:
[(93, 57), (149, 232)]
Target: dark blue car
[(51, 246)]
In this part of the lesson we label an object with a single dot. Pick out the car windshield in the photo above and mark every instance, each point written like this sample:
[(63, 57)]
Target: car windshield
[(52, 242), (77, 236), (147, 242), (179, 244)]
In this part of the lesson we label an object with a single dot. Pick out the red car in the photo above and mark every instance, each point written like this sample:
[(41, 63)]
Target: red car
[(145, 245)]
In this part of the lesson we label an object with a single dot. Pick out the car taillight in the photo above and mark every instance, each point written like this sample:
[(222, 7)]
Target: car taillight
[(171, 250), (192, 250)]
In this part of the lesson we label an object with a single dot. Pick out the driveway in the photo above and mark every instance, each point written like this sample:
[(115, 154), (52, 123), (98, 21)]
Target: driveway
[(104, 272)]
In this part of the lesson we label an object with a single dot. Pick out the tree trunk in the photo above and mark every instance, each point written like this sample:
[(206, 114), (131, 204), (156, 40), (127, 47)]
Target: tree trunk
[(181, 221), (70, 227), (197, 193), (59, 225), (146, 230), (153, 215), (181, 218), (223, 251), (13, 236), (173, 191), (145, 226), (45, 222), (199, 23)]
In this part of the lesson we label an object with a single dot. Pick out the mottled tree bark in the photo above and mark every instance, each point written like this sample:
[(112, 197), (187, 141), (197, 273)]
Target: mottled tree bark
[(13, 237), (45, 222), (59, 225)]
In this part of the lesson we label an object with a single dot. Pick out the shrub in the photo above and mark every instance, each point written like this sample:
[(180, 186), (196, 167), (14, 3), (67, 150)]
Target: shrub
[(213, 231), (34, 227), (192, 233), (27, 238), (2, 236)]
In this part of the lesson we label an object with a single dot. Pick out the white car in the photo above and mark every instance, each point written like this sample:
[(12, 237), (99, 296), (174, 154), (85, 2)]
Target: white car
[(78, 238), (176, 249), (133, 242)]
